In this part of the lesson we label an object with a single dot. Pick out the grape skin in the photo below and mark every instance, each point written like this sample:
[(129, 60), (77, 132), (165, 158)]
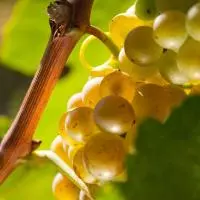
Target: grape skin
[(80, 167), (140, 46), (192, 21), (188, 59), (118, 83), (114, 114), (75, 101), (91, 92), (79, 124), (104, 156), (169, 29), (63, 188)]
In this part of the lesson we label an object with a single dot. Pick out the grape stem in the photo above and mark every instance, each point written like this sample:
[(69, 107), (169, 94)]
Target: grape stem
[(65, 169), (67, 29), (92, 30)]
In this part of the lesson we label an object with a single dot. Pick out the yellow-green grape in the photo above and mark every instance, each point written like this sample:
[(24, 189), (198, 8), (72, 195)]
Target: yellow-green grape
[(131, 10), (104, 156), (137, 72), (121, 177), (75, 101), (91, 92), (151, 101), (118, 83), (192, 21), (79, 124), (72, 150), (195, 90), (181, 5), (60, 149), (80, 168), (169, 29), (145, 9), (140, 46), (121, 25), (188, 59), (64, 189), (93, 191), (169, 69), (64, 134), (114, 114), (83, 196)]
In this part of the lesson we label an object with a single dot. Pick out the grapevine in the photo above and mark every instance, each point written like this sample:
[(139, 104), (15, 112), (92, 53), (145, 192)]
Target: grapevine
[(154, 55)]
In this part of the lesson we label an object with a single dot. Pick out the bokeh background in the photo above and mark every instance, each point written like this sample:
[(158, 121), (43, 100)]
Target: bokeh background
[(24, 32)]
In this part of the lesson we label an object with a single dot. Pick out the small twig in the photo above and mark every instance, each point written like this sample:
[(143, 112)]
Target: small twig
[(104, 38), (18, 142)]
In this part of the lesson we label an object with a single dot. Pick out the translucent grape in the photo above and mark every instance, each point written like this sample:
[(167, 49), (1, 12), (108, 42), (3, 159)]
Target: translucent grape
[(169, 29), (75, 101), (104, 156), (63, 188), (62, 131), (79, 124), (114, 114), (156, 101), (195, 90), (118, 83), (192, 21), (130, 140), (60, 149), (181, 5), (121, 25), (188, 59), (72, 150), (140, 46), (137, 72), (145, 9), (151, 101), (169, 69), (80, 168), (91, 92)]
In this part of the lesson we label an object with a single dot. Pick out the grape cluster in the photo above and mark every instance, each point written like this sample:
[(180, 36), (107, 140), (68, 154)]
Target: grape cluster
[(159, 44)]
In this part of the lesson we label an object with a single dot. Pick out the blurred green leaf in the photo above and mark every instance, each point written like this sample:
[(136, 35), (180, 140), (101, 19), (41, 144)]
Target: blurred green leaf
[(4, 125)]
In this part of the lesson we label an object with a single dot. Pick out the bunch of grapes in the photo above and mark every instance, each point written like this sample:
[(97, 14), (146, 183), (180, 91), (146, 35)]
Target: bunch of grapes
[(159, 45)]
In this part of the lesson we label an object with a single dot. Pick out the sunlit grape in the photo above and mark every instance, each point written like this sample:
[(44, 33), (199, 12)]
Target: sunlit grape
[(121, 25), (192, 21), (75, 101), (137, 72), (169, 29), (64, 189), (118, 83), (91, 92), (140, 46), (79, 124), (156, 101), (62, 131), (145, 9), (72, 150), (188, 59), (80, 168), (60, 149), (169, 69), (104, 156), (114, 114)]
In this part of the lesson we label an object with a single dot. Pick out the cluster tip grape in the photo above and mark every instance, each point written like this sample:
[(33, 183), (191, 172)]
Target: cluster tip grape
[(159, 45)]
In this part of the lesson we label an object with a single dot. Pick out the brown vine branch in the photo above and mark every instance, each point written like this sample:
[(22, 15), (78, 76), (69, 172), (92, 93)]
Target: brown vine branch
[(68, 20)]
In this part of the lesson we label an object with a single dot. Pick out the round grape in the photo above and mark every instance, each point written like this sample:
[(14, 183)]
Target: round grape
[(188, 59), (91, 92), (140, 46), (169, 69), (118, 83), (104, 156), (79, 124), (169, 29), (63, 188), (192, 21), (75, 101), (80, 168), (114, 114)]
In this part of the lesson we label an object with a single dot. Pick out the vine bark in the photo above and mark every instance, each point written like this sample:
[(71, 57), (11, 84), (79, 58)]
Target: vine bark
[(69, 22)]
